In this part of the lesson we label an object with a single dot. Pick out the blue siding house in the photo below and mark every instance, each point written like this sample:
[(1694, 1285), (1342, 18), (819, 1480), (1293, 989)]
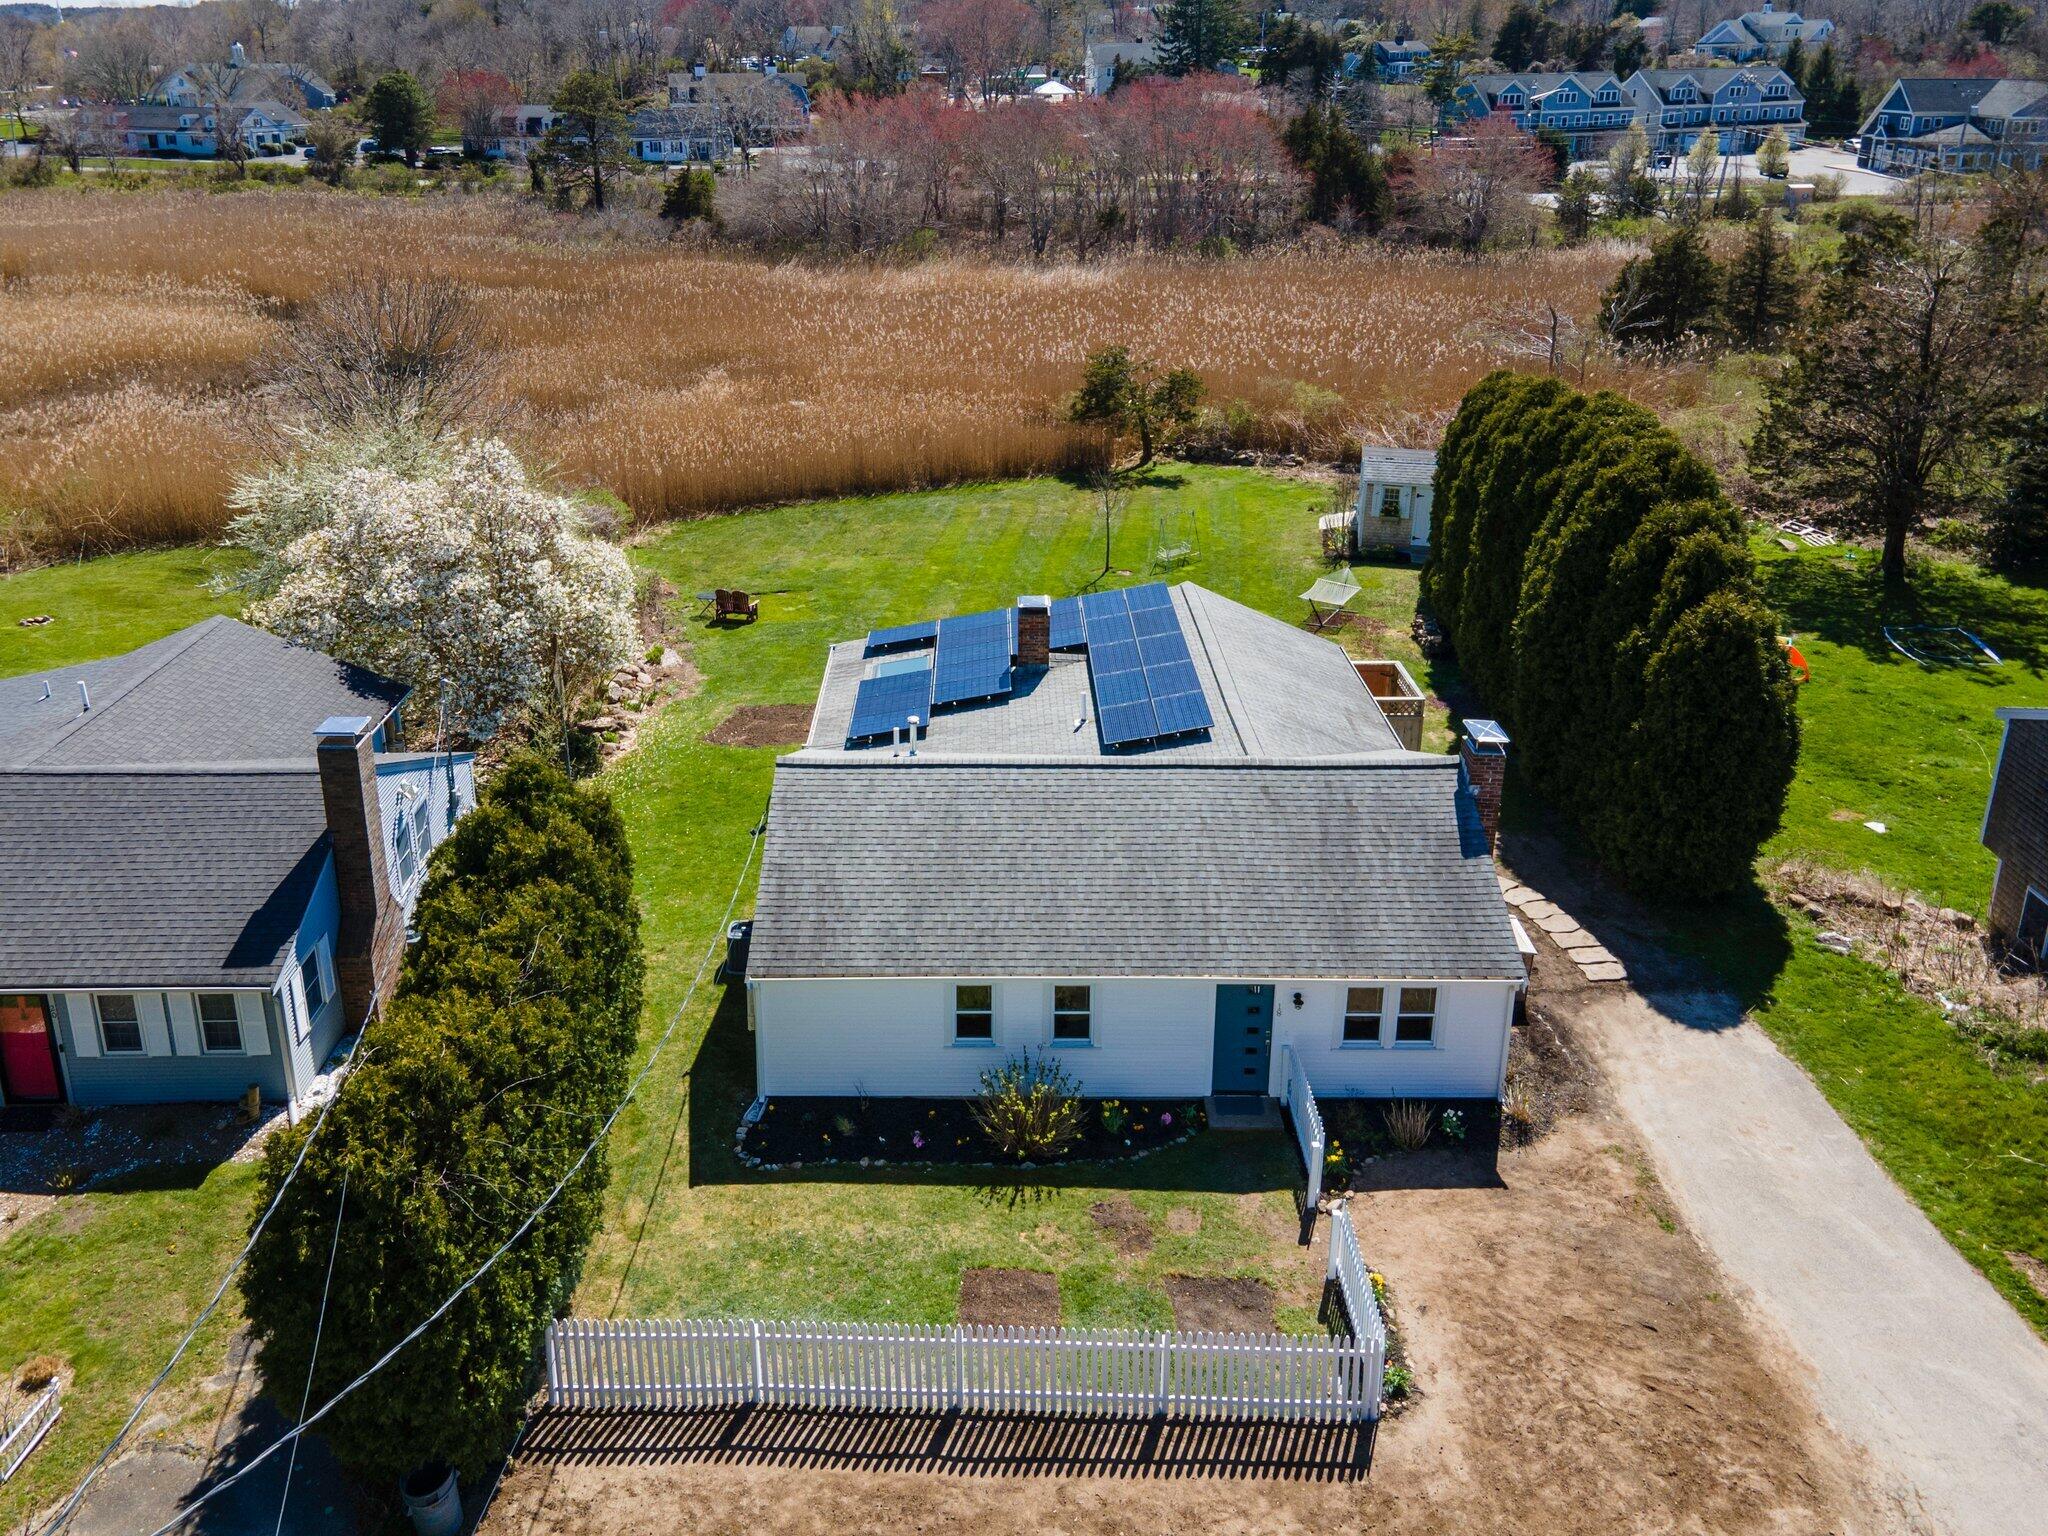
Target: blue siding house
[(208, 853), (1741, 106), (1764, 34), (1958, 125), (1588, 109)]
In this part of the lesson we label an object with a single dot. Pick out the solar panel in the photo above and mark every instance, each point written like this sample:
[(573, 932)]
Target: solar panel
[(1159, 650), (885, 704), (1155, 621), (1097, 606), (1121, 656), (1174, 677), (1179, 713), (1146, 685), (1123, 724), (901, 637), (1119, 688), (973, 656), (1153, 594), (1069, 630)]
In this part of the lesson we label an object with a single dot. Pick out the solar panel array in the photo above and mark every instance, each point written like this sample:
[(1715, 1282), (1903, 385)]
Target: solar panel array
[(973, 657), (901, 638), (884, 705), (1146, 686)]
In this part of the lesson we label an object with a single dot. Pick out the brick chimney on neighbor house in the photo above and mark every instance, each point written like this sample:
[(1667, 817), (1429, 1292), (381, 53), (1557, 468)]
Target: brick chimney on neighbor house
[(1034, 631), (1483, 756), (372, 939)]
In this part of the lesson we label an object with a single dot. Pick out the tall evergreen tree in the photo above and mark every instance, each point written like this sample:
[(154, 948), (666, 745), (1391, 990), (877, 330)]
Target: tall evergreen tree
[(1523, 38), (1197, 35), (1345, 178), (586, 148), (1660, 299), (2019, 522), (1834, 107), (400, 113), (1760, 290)]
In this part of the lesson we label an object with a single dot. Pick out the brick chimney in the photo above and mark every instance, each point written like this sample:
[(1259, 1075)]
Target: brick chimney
[(1034, 631), (372, 938), (1483, 756)]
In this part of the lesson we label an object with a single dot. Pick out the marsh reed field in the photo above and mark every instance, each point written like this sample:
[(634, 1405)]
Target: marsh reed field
[(133, 329)]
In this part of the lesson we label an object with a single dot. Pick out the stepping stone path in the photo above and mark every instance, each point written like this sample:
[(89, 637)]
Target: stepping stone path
[(1594, 960)]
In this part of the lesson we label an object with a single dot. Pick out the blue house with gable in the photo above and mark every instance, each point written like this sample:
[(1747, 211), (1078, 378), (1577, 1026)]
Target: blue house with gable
[(209, 848)]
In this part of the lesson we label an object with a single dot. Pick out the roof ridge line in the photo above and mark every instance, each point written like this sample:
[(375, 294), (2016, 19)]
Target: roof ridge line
[(193, 634)]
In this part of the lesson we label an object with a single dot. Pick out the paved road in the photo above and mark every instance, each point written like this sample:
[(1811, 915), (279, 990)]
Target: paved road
[(1915, 1357)]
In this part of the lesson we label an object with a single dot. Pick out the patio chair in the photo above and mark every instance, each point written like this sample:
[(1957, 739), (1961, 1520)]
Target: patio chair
[(734, 604)]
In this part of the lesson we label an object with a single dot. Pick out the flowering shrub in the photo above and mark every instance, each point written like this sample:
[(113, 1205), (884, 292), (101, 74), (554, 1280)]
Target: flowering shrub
[(1113, 1116), (1027, 1108), (1454, 1124), (450, 570)]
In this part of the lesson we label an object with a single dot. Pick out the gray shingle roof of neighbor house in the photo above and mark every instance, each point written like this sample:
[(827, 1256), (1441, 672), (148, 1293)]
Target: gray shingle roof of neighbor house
[(1989, 98), (1363, 868), (192, 877), (1399, 466), (217, 691), (1298, 841)]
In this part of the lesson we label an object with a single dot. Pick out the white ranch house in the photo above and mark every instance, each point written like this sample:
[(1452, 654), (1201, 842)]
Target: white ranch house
[(1025, 869)]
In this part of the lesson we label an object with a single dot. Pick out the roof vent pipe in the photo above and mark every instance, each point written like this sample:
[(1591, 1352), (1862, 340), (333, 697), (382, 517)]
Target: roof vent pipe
[(84, 699), (914, 724)]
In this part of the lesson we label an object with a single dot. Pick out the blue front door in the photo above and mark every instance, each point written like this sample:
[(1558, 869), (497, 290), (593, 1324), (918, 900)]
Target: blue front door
[(1244, 1038)]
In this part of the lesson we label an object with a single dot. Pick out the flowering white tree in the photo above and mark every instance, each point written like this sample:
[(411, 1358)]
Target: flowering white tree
[(451, 570)]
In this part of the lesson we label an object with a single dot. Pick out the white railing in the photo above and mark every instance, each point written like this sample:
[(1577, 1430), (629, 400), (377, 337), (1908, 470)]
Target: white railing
[(639, 1365), (1354, 1288), (27, 1433), (1308, 1122)]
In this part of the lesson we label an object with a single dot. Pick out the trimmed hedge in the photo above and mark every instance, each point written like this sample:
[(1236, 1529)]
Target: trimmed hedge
[(506, 1046), (1601, 598)]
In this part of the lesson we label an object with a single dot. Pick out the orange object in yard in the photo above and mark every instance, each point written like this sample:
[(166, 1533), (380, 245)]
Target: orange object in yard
[(1800, 670)]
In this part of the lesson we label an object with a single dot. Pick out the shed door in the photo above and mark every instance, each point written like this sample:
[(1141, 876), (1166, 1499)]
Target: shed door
[(1244, 1038), (28, 1056)]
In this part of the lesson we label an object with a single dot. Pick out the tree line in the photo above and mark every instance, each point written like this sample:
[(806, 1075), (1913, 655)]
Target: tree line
[(1598, 591)]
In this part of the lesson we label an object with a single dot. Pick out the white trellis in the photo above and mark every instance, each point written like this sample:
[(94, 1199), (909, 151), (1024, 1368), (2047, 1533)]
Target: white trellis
[(27, 1432)]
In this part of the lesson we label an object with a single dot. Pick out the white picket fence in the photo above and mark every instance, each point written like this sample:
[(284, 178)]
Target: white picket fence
[(1308, 1122), (1354, 1286), (643, 1365), (28, 1431)]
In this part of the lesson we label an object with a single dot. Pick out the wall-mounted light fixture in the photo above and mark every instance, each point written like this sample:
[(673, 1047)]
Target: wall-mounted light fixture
[(1297, 1000)]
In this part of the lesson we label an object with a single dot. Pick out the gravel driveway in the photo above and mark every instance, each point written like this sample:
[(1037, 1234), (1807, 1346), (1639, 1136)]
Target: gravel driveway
[(1913, 1356)]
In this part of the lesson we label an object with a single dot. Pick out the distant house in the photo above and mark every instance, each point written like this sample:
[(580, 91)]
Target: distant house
[(1764, 34), (237, 82), (1956, 125), (700, 86), (1401, 59), (1588, 109), (712, 112), (1396, 491), (1098, 67), (809, 42), (1741, 106), (2016, 830), (689, 135), (148, 128), (517, 131), (208, 851), (1149, 831)]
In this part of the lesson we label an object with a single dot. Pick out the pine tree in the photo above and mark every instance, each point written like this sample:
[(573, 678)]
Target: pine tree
[(1760, 290), (587, 146), (1833, 106), (1345, 178), (2019, 524), (1524, 37), (1576, 205), (400, 113), (1660, 299), (1197, 35)]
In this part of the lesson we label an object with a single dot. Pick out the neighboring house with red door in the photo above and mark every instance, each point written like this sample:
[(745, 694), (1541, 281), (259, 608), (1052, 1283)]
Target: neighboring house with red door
[(207, 855), (1150, 830), (2016, 829)]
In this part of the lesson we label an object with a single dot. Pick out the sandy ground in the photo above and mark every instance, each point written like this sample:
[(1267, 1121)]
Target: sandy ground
[(1583, 1367)]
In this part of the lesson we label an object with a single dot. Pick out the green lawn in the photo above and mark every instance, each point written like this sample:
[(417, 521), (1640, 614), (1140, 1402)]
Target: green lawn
[(105, 606)]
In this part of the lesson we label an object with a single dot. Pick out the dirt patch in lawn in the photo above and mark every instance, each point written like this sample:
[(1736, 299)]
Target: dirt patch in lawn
[(1210, 1304), (1183, 1221), (762, 725), (1581, 1366), (1009, 1298), (2032, 1270), (1127, 1227)]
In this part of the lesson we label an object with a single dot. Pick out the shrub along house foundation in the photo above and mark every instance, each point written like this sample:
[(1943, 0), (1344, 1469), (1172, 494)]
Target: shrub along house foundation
[(1153, 831), (206, 860)]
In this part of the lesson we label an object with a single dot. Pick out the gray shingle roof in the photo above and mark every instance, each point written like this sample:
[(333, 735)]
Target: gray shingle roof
[(156, 878), (1373, 866), (1274, 692), (215, 692), (1952, 95), (1403, 466)]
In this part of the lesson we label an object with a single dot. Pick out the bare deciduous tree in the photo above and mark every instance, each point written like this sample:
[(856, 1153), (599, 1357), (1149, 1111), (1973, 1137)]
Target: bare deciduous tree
[(386, 350)]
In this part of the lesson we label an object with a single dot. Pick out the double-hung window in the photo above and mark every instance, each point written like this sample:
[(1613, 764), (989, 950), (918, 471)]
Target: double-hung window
[(1363, 1009), (120, 1024), (314, 984), (974, 1014), (1390, 501), (220, 1026), (409, 841), (1415, 1024), (1073, 1015)]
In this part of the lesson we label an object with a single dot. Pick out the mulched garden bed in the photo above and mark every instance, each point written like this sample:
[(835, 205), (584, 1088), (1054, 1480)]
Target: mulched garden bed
[(1009, 1298), (798, 1131), (762, 725), (1209, 1304)]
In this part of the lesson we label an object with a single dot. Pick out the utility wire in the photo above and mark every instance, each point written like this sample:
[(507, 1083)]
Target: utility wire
[(319, 1326), (632, 1090), (70, 1506)]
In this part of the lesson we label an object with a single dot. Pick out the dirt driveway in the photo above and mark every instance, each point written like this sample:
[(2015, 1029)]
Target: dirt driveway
[(1583, 1369)]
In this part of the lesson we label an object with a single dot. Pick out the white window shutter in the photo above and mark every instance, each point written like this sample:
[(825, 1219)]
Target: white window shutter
[(326, 970), (255, 1028), (184, 1024), (156, 1033), (85, 1025)]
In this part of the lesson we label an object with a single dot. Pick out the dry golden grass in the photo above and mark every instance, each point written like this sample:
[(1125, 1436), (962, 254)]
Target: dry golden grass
[(130, 327)]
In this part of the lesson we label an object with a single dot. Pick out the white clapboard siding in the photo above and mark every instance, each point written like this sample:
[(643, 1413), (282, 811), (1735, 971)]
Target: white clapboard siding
[(646, 1365), (1308, 1122)]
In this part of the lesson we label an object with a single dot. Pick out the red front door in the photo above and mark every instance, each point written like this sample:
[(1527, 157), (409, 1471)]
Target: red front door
[(28, 1059)]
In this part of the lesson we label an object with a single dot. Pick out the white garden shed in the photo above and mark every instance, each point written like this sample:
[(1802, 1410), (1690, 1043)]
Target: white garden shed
[(1395, 497)]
